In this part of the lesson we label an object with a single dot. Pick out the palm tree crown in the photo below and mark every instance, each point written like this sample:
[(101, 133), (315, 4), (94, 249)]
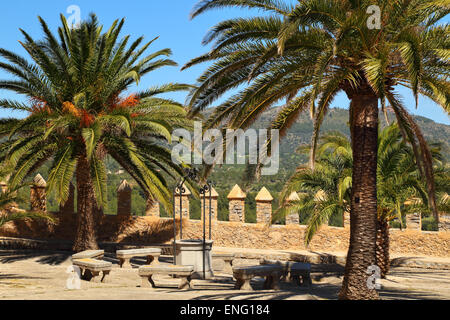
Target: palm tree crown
[(80, 110), (307, 54)]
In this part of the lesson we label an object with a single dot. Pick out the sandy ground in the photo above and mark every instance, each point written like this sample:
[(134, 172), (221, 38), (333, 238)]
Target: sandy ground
[(42, 275)]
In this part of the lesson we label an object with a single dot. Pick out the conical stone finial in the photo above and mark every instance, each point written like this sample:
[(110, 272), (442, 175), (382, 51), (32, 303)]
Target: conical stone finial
[(236, 193), (39, 181), (264, 195), (124, 186), (293, 196), (214, 194)]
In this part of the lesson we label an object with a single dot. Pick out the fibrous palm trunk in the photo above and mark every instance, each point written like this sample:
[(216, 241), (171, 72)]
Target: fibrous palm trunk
[(363, 214), (383, 261), (86, 236)]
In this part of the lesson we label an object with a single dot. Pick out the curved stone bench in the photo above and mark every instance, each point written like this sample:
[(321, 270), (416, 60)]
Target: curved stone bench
[(91, 268), (89, 254), (124, 256), (223, 261), (244, 275), (183, 272), (294, 270)]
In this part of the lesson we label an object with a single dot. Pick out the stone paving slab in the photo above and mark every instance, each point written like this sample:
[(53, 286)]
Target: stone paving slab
[(42, 275)]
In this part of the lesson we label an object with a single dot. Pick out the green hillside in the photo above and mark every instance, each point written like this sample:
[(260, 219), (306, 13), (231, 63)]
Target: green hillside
[(227, 176), (300, 133)]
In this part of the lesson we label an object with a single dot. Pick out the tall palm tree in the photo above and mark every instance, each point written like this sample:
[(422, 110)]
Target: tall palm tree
[(400, 189), (310, 52), (80, 109)]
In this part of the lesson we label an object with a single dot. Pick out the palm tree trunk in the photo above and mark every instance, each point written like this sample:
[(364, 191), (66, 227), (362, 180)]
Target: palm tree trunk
[(86, 237), (363, 214), (383, 261)]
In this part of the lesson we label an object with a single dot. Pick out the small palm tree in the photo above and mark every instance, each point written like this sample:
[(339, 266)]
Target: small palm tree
[(309, 53), (80, 109), (324, 192), (329, 186), (8, 212)]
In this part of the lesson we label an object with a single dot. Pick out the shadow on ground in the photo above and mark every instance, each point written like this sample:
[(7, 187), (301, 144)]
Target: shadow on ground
[(44, 257)]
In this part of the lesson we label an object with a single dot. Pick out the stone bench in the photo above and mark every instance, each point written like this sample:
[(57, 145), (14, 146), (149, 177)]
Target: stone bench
[(294, 270), (182, 272), (89, 254), (223, 261), (124, 256), (271, 273), (91, 268)]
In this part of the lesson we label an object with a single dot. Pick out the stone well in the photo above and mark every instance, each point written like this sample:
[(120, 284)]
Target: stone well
[(190, 253)]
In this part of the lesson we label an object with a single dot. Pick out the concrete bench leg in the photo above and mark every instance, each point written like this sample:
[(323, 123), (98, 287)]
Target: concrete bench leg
[(124, 263), (296, 279), (152, 261), (105, 276), (87, 275), (82, 273), (272, 282), (268, 283), (306, 281), (228, 266), (275, 285), (147, 282), (185, 283), (243, 284), (95, 276)]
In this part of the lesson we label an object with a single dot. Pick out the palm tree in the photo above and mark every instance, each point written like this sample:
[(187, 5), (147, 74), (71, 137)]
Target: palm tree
[(8, 212), (307, 54), (400, 190), (80, 109), (324, 192)]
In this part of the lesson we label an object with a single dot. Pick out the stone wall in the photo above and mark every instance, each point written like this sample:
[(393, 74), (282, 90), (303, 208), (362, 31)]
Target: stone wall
[(328, 239), (148, 230)]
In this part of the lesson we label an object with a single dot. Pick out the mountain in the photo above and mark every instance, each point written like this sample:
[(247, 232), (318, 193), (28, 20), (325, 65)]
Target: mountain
[(290, 158), (225, 177)]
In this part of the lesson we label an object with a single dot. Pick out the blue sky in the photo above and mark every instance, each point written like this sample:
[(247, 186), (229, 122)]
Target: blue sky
[(168, 19)]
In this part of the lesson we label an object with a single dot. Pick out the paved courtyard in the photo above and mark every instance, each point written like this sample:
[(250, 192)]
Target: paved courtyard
[(42, 275)]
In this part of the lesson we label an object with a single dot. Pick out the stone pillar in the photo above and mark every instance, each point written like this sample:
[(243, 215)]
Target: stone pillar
[(152, 208), (293, 218), (237, 204), (444, 223), (69, 206), (38, 197), (413, 221), (264, 206), (346, 219), (214, 206), (184, 201), (124, 199)]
